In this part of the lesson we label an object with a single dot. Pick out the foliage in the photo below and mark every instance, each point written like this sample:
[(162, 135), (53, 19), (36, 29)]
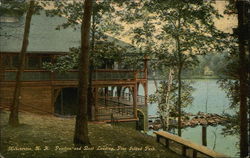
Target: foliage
[(187, 98), (15, 9), (12, 8), (64, 62), (104, 49), (174, 33)]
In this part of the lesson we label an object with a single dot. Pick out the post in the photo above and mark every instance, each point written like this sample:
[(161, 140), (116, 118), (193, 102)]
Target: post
[(105, 95), (184, 151), (194, 153), (96, 100), (52, 73), (135, 100), (158, 138), (146, 93), (166, 143), (62, 112), (204, 135), (145, 67)]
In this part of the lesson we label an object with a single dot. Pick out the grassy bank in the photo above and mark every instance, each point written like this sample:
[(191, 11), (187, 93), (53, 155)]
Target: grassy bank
[(51, 137)]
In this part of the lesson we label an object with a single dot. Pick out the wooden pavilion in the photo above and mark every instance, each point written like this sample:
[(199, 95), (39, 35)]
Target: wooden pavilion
[(115, 91)]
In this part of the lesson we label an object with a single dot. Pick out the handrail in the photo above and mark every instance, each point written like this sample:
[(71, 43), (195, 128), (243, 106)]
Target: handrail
[(100, 74), (97, 70), (115, 107), (188, 145)]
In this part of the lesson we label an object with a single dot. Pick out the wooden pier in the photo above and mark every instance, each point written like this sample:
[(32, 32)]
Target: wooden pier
[(197, 150)]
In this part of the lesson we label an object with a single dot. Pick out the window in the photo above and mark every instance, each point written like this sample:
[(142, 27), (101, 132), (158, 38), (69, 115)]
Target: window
[(15, 61), (46, 59), (6, 61), (33, 62)]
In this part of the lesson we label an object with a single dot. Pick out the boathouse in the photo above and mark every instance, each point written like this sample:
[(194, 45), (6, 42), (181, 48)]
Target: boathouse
[(115, 90)]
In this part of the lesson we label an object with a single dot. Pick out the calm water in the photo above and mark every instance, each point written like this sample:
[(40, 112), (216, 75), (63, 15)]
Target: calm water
[(217, 102)]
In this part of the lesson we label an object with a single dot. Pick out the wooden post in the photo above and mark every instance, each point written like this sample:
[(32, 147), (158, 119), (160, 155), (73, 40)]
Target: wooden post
[(204, 135), (135, 101), (53, 99), (105, 95), (96, 100), (158, 138), (184, 150), (52, 73), (167, 143), (194, 153), (145, 67), (62, 112), (146, 93)]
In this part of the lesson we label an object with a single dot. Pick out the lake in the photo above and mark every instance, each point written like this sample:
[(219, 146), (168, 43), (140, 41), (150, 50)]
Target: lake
[(217, 102)]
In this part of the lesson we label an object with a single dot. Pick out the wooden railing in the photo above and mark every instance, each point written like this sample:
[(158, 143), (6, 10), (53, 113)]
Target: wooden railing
[(187, 145), (129, 97), (119, 112), (100, 75)]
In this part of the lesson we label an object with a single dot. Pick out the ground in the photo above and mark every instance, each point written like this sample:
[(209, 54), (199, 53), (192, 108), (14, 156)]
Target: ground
[(42, 136)]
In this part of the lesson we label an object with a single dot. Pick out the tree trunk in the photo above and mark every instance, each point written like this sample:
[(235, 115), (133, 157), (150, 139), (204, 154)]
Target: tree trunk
[(179, 100), (91, 68), (243, 82), (204, 135), (81, 127), (170, 82), (180, 65), (13, 118), (2, 69)]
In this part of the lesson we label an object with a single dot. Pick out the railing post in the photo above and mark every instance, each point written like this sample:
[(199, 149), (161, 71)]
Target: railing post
[(146, 93), (167, 143), (194, 153), (145, 67), (96, 100), (184, 150), (158, 138), (135, 100)]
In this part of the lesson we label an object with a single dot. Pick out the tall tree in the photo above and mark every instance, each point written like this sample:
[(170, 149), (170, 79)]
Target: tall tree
[(13, 118), (187, 30), (242, 24), (236, 81), (81, 126)]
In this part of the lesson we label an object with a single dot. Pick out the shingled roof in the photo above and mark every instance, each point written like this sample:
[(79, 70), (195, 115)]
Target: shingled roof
[(43, 36)]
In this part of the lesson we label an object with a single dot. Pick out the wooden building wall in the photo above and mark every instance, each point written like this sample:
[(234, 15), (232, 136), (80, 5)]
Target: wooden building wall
[(36, 99)]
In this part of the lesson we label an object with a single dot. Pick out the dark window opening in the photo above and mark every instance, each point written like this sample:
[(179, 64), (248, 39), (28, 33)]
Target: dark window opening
[(15, 61), (6, 62), (33, 62)]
